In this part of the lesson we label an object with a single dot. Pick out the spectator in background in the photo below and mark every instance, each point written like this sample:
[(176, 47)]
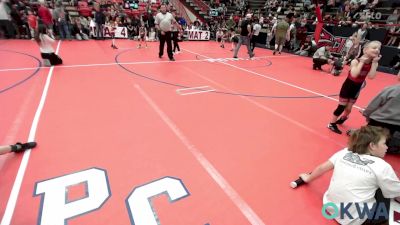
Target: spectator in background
[(268, 25), (362, 32), (5, 19), (61, 20), (301, 33), (33, 23), (393, 18), (305, 47), (256, 32), (46, 18), (100, 20), (322, 56), (354, 51), (79, 32), (393, 34), (282, 33), (245, 34)]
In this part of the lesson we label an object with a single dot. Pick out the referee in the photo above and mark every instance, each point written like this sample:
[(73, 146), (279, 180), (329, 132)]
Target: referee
[(163, 22)]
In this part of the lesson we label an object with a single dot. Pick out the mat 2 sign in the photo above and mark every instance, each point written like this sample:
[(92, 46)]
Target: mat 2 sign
[(56, 209)]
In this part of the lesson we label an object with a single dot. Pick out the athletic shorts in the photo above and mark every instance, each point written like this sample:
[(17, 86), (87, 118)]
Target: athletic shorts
[(349, 91), (280, 40)]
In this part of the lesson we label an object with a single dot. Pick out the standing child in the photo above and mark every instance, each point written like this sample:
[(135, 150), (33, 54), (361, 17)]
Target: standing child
[(176, 30), (234, 39), (142, 35), (113, 25), (219, 36), (360, 69), (46, 50)]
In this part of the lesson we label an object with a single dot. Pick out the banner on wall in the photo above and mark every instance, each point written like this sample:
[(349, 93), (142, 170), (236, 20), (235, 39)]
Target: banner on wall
[(120, 32), (336, 42), (197, 35)]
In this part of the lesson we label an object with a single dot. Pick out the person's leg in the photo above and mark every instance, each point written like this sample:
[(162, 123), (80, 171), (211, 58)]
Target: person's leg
[(338, 111), (66, 30), (238, 47), (276, 44), (175, 40), (281, 47), (247, 43), (162, 42), (381, 202), (304, 53), (97, 31), (168, 39), (62, 31), (319, 63), (346, 113)]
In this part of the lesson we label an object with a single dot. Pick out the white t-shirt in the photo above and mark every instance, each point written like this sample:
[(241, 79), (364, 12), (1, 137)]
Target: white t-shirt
[(46, 44), (355, 179), (256, 29), (164, 21)]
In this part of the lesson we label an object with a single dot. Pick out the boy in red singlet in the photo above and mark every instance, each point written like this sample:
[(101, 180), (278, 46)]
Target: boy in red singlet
[(360, 69)]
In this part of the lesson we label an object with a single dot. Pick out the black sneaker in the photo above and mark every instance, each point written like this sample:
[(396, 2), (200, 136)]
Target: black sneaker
[(333, 127), (171, 59), (19, 147), (341, 120), (314, 67), (274, 53)]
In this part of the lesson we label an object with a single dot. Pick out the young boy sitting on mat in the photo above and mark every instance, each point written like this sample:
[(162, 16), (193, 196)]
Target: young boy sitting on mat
[(360, 175)]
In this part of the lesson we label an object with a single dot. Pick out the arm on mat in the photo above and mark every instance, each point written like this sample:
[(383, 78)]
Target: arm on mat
[(318, 171)]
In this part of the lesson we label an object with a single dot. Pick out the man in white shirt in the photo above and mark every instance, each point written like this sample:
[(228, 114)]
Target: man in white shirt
[(5, 20), (163, 23)]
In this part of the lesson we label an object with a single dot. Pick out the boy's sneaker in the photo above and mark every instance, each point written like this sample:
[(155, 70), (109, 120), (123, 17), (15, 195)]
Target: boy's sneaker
[(341, 120), (333, 127), (21, 147)]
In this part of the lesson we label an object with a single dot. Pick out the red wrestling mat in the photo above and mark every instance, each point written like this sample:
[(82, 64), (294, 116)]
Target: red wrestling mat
[(127, 138)]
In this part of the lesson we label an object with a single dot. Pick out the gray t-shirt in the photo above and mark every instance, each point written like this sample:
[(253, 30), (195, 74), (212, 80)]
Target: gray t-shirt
[(164, 21)]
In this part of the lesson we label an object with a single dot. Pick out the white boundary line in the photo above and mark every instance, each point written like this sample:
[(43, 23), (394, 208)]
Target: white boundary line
[(268, 109), (12, 201), (16, 124), (202, 89), (138, 63), (191, 88), (274, 79), (218, 178), (196, 92)]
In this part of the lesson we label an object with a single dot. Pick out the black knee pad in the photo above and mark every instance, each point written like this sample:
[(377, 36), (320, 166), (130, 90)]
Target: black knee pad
[(339, 110)]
